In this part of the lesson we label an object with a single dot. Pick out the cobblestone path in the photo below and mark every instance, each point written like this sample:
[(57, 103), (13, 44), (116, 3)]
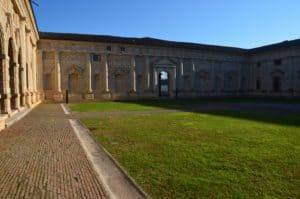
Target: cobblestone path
[(40, 157)]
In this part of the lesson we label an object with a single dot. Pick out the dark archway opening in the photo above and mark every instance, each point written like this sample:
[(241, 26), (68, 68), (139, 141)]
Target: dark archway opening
[(20, 78), (11, 75), (163, 84), (276, 84)]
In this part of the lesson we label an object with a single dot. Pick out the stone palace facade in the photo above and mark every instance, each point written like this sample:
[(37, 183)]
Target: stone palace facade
[(105, 67), (38, 65)]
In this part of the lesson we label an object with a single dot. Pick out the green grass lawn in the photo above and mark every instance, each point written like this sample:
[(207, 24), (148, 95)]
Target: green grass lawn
[(218, 154), (142, 105)]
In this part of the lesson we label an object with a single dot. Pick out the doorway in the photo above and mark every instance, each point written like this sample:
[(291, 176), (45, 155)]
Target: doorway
[(276, 84), (163, 84)]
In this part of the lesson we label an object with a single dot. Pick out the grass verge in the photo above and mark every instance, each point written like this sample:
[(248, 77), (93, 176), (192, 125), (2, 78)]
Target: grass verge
[(218, 154)]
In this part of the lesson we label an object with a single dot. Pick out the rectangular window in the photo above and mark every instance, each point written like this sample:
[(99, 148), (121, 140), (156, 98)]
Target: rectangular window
[(108, 48), (96, 58), (277, 62), (122, 49), (257, 84)]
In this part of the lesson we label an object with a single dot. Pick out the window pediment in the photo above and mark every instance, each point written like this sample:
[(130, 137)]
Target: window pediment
[(165, 62), (75, 70), (277, 72)]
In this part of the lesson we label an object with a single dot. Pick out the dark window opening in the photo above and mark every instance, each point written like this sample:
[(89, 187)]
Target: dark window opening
[(276, 84), (277, 62), (257, 84), (122, 49), (108, 48), (96, 58)]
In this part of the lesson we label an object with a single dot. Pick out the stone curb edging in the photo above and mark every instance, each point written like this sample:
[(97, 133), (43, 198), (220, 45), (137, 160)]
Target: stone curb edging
[(117, 182), (65, 109)]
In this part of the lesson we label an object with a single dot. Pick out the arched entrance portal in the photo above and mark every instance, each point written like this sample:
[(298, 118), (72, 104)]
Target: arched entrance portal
[(163, 84), (11, 74)]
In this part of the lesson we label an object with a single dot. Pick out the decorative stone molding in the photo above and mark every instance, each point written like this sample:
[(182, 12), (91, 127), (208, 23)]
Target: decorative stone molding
[(277, 72), (75, 70), (118, 71)]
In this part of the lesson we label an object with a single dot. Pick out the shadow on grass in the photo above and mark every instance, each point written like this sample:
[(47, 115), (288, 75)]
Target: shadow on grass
[(275, 111)]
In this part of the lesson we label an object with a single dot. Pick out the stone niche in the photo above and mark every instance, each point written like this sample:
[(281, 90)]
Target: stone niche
[(119, 73), (73, 68)]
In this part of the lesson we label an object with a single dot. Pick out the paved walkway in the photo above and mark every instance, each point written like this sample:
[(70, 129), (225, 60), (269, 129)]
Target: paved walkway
[(40, 157)]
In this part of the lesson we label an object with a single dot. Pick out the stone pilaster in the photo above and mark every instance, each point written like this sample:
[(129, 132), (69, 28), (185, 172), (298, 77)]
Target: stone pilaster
[(39, 67), (147, 74), (193, 77), (27, 83), (57, 95), (174, 78), (22, 92), (181, 75), (132, 76), (6, 89), (89, 95), (17, 90), (34, 74), (106, 91), (89, 73), (154, 80)]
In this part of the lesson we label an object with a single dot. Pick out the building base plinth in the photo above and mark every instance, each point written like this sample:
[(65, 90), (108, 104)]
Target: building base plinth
[(58, 97), (89, 96), (133, 95), (106, 95)]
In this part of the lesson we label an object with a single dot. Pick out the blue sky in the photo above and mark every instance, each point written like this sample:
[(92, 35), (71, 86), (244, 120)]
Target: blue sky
[(239, 23)]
